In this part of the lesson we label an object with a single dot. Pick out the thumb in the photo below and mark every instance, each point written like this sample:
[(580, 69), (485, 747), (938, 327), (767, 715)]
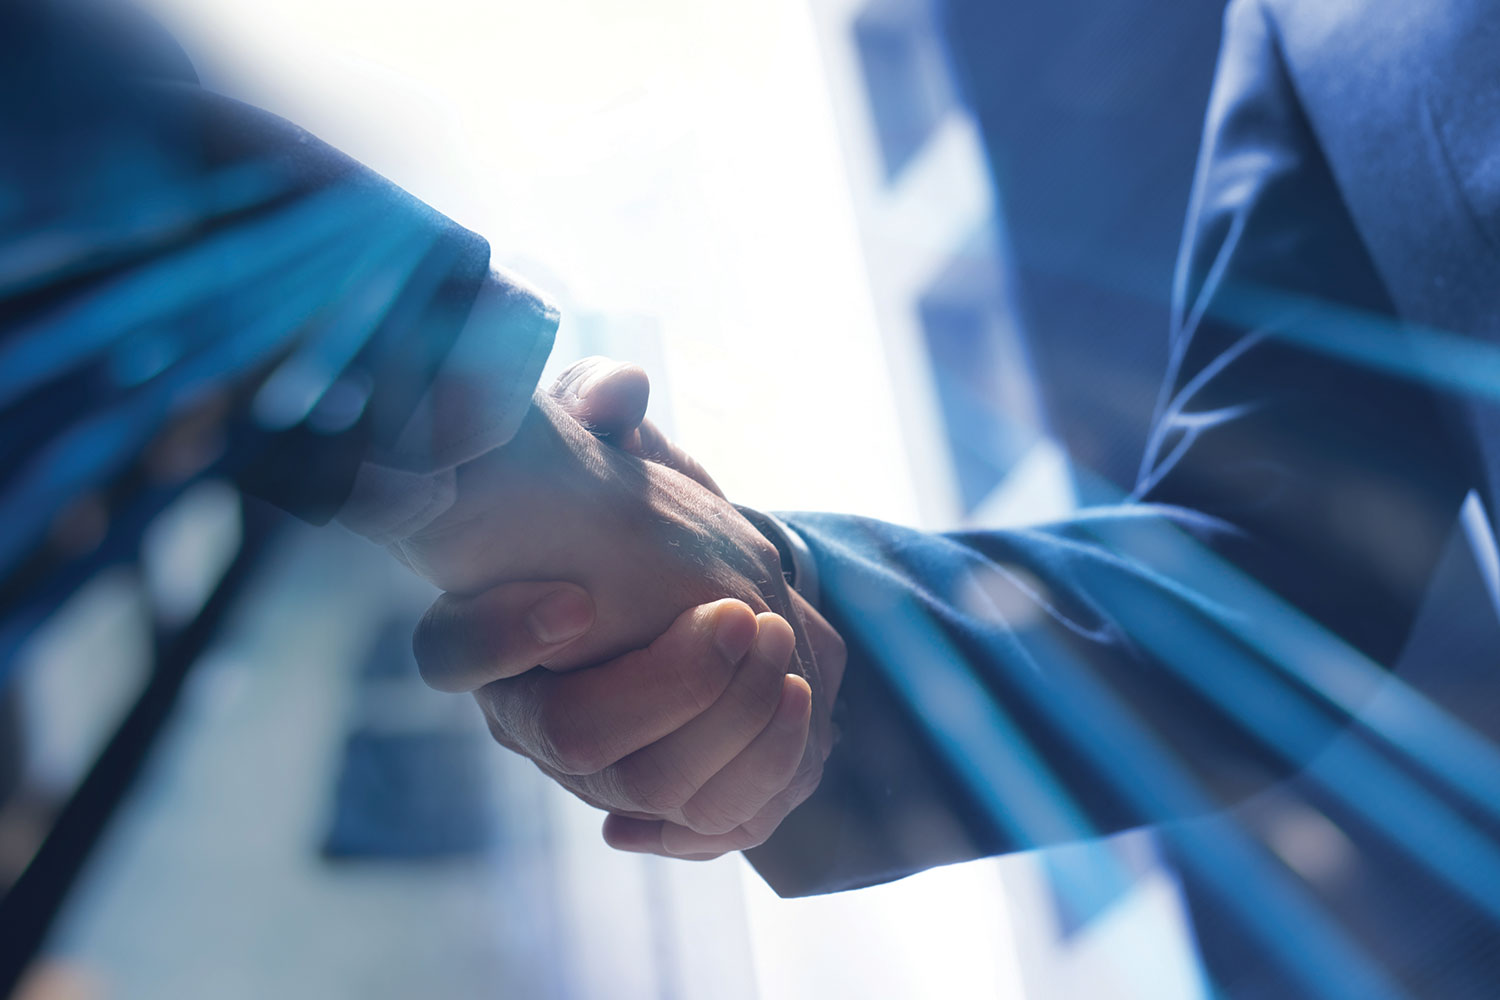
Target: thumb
[(465, 642), (607, 397)]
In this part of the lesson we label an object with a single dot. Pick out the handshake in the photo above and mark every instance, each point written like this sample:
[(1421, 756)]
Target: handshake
[(622, 625)]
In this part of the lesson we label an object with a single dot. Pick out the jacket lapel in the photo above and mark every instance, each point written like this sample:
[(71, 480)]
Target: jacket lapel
[(1405, 99)]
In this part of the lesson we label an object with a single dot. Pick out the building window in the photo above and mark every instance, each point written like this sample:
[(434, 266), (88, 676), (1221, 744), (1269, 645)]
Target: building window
[(906, 76), (980, 367)]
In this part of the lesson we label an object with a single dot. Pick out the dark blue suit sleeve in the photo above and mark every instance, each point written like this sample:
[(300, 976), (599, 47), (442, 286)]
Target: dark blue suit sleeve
[(1144, 663), (167, 250)]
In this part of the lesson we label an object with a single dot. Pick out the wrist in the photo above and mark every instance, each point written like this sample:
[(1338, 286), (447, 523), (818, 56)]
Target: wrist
[(797, 564)]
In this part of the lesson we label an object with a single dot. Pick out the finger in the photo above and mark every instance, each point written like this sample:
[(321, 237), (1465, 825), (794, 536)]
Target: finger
[(680, 842), (582, 722), (610, 398), (638, 836), (830, 655), (463, 643), (650, 443), (659, 779), (607, 397), (746, 784), (651, 836), (828, 647)]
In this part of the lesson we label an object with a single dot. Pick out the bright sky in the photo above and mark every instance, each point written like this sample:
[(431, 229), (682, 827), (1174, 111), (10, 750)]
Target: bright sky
[(668, 160)]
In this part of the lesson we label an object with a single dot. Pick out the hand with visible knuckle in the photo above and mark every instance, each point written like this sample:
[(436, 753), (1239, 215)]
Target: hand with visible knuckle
[(635, 662)]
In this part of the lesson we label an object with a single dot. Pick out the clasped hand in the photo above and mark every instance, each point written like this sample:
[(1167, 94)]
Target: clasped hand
[(623, 626)]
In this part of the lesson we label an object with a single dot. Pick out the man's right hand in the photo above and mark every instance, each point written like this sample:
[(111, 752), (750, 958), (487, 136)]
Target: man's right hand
[(696, 745), (645, 541), (679, 740)]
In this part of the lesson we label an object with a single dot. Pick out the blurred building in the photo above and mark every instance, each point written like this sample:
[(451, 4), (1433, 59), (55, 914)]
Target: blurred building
[(938, 267), (1090, 116), (1021, 175)]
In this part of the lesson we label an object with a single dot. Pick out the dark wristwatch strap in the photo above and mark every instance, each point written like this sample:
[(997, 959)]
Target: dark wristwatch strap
[(797, 564)]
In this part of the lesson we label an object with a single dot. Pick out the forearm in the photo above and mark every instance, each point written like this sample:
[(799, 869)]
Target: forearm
[(238, 265), (996, 682), (412, 355), (474, 403)]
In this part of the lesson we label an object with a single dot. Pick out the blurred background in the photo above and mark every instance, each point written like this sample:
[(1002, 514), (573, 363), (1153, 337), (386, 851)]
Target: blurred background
[(899, 258)]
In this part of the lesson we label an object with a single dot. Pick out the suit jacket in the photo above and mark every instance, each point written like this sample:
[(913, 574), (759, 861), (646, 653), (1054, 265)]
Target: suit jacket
[(1327, 410), (192, 286), (168, 254)]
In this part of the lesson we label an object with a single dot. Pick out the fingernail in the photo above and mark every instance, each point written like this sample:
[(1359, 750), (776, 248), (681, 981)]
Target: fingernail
[(776, 640), (560, 616), (734, 631), (597, 374), (796, 696)]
